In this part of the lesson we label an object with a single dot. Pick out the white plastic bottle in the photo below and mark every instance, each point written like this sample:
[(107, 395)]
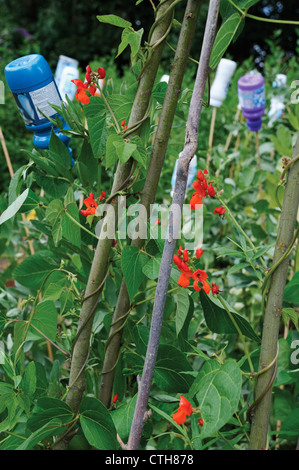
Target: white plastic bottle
[(191, 174), (219, 88), (66, 70), (277, 102)]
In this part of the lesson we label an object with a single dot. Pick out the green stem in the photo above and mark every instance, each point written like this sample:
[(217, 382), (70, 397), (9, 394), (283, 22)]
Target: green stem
[(259, 18), (239, 332), (238, 226), (81, 226), (110, 110)]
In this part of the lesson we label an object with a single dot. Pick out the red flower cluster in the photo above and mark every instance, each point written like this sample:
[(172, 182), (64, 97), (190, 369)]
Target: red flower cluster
[(186, 268), (203, 189), (185, 265), (90, 85), (91, 204), (123, 125)]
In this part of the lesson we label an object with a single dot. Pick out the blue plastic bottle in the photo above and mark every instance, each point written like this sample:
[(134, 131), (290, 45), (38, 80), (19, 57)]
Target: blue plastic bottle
[(32, 84)]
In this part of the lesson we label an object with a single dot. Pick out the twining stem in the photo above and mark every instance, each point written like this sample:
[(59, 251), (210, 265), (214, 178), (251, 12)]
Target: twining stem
[(260, 18), (285, 235), (239, 228), (191, 143), (150, 186)]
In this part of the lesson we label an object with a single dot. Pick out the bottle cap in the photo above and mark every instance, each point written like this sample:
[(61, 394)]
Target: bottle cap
[(27, 73)]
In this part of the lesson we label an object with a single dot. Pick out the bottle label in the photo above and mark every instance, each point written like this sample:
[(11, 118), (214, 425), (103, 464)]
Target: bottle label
[(252, 99), (32, 104)]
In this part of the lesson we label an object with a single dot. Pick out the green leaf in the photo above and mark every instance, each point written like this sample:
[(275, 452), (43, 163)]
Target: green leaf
[(96, 125), (283, 141), (291, 292), (219, 321), (97, 424), (182, 300), (217, 388), (59, 152), (132, 262), (62, 225), (33, 270), (123, 417), (25, 202), (131, 38), (290, 314), (47, 409), (54, 210), (51, 428), (28, 383), (124, 150), (42, 162), (70, 230), (111, 154), (121, 106), (170, 370), (45, 320), (114, 20), (237, 267), (140, 154), (224, 37)]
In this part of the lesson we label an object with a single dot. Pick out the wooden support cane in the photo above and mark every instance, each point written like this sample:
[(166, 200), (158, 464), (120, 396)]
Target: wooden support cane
[(211, 136)]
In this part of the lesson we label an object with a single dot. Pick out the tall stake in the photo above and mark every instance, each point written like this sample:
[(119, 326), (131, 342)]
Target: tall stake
[(261, 408), (191, 141), (150, 187)]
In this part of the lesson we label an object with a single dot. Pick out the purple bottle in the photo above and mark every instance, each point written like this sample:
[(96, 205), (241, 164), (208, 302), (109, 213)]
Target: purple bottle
[(251, 92)]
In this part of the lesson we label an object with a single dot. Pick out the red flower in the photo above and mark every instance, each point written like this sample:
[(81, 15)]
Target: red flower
[(114, 399), (88, 69), (215, 288), (179, 417), (219, 210), (200, 421), (91, 205), (185, 256), (184, 279), (122, 123), (185, 405), (81, 91), (211, 190), (185, 409), (92, 90), (199, 252), (195, 201), (101, 72), (88, 77), (200, 276)]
